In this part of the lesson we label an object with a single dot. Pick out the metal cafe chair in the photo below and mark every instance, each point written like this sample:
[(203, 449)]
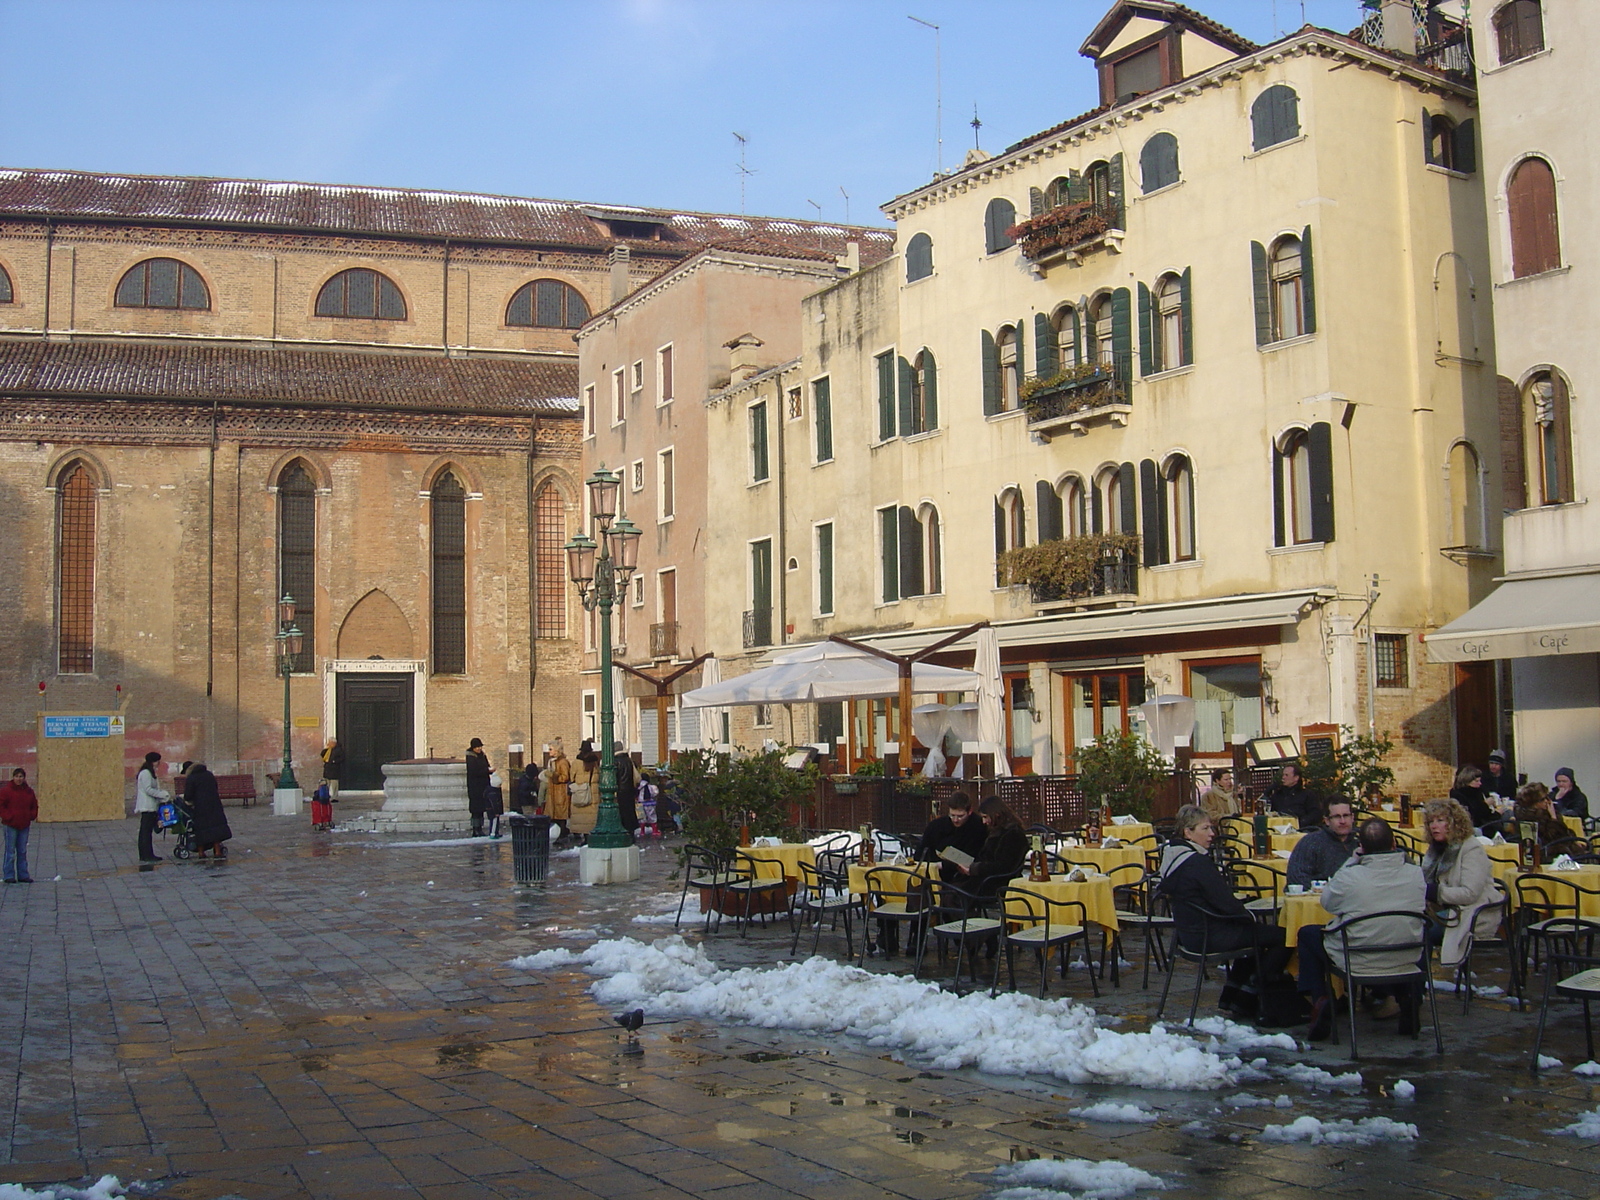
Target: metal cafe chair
[(750, 885), (1582, 985), (702, 868), (820, 895), (1041, 932), (1140, 906), (962, 916), (897, 895), (1418, 971), (1204, 958)]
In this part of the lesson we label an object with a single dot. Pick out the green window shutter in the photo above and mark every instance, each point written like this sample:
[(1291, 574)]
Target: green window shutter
[(908, 383), (889, 547), (1097, 506), (910, 554), (1122, 333), (930, 391), (1308, 289), (1127, 485), (1259, 279), (1119, 214), (991, 375), (1077, 338), (1188, 316), (1077, 193), (1049, 505), (999, 541), (1466, 146), (825, 568), (758, 442), (1319, 442), (822, 409), (1044, 346), (886, 400), (1427, 138), (1147, 365), (1155, 549), (1280, 532), (1022, 343), (1035, 202)]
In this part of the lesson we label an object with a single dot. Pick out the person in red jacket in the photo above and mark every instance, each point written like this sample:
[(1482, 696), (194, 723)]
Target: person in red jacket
[(19, 809)]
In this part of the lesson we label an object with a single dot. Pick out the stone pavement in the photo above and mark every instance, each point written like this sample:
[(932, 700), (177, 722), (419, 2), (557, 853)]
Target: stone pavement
[(330, 1015)]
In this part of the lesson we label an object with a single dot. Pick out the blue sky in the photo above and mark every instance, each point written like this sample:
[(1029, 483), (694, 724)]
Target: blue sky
[(627, 101)]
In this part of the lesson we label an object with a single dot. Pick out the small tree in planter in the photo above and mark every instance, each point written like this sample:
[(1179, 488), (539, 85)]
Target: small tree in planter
[(1122, 770), (719, 791), (1354, 768)]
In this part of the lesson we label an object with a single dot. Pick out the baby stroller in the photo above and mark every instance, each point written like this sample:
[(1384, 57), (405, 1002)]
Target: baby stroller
[(177, 818)]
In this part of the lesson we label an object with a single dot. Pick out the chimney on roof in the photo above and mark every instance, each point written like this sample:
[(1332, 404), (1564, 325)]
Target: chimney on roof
[(1399, 31), (850, 261), (620, 256), (742, 354)]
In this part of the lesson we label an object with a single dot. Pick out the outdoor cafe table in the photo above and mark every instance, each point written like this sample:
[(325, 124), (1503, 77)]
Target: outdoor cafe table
[(1304, 909), (1103, 858), (1261, 870), (1128, 833), (1094, 894), (858, 873), (784, 859), (1586, 876)]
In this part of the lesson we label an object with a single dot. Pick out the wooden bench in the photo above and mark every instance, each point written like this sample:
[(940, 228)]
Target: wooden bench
[(229, 787)]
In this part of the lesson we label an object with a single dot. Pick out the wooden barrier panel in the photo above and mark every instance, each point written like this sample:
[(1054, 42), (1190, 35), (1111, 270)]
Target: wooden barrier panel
[(80, 774)]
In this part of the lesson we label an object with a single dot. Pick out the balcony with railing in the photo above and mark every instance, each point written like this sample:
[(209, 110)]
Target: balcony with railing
[(1095, 567), (1068, 232), (1071, 399), (664, 639), (757, 628)]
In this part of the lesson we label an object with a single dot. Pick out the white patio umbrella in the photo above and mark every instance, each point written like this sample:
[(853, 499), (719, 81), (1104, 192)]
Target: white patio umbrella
[(711, 719), (991, 699), (827, 671)]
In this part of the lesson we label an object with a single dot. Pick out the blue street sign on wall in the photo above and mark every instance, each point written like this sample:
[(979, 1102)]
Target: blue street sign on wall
[(83, 725)]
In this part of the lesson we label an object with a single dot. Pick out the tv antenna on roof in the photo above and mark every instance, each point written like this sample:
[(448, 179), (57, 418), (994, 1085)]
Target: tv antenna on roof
[(816, 206), (744, 171), (938, 87), (846, 196), (976, 125)]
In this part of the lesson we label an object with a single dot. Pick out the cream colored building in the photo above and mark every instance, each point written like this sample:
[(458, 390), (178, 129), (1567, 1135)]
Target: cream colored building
[(1245, 330), (1539, 171)]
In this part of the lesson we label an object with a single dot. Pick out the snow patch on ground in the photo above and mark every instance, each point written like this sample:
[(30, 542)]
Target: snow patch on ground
[(1010, 1034), (106, 1188), (1365, 1132), (1246, 1100), (1116, 1114), (661, 909), (1587, 1068), (1404, 1089), (1586, 1126), (1316, 1077), (1234, 1038), (1049, 1179), (1546, 1063), (1486, 990)]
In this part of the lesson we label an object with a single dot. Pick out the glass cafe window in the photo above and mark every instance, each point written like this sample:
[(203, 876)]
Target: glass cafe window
[(1227, 702), (1104, 702)]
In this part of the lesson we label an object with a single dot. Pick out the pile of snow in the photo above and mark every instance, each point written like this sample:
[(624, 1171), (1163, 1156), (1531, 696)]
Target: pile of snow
[(1115, 1114), (662, 909), (106, 1188), (1404, 1089), (1246, 1100), (1587, 1068), (1010, 1034), (1546, 1063), (1316, 1077), (1234, 1038), (1049, 1178), (1586, 1126), (1364, 1132)]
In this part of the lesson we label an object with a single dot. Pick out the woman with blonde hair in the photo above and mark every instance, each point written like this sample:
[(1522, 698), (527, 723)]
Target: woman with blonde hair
[(1462, 892), (556, 783)]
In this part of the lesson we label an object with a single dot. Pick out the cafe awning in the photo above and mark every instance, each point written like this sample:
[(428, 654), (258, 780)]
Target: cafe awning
[(1525, 618)]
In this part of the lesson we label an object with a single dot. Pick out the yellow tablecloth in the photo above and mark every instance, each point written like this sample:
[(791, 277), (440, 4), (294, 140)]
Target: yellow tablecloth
[(858, 873), (1503, 861), (786, 858), (1138, 829), (1103, 858), (1587, 875), (1286, 841), (1305, 909), (1263, 869), (1094, 894)]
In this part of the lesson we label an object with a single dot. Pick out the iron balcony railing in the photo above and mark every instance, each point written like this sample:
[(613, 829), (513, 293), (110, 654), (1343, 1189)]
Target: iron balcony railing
[(757, 628)]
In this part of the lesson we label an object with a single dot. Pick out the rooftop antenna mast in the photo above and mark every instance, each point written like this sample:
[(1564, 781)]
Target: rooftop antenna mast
[(816, 206), (744, 171), (846, 196), (938, 88), (976, 125)]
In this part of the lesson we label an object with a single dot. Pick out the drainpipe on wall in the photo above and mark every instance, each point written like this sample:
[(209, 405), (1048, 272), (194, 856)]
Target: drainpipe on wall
[(49, 262), (783, 521)]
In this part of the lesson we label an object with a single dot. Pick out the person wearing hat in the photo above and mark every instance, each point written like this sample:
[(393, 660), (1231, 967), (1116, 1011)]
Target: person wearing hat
[(478, 772), (627, 788), (1567, 796)]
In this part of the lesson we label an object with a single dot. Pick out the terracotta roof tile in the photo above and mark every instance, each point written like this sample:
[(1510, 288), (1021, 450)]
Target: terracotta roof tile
[(404, 212), (238, 374)]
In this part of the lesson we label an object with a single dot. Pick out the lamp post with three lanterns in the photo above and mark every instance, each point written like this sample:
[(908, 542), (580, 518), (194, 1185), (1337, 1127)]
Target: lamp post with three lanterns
[(289, 641), (601, 571)]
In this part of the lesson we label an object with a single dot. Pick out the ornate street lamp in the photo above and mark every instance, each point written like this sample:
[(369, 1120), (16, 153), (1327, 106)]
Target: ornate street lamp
[(601, 571), (289, 642)]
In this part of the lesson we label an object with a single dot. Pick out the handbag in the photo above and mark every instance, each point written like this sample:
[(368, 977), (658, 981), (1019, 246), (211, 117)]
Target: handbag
[(582, 795), (166, 815), (321, 794)]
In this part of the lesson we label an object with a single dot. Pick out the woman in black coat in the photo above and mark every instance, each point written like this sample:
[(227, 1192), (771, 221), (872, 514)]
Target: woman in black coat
[(1005, 850), (204, 802), (1469, 793), (478, 772)]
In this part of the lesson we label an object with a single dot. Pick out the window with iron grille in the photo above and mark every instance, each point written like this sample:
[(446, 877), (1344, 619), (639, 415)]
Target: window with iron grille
[(1389, 650), (449, 504), (550, 535), (297, 556), (76, 501), (547, 304), (360, 292), (162, 283)]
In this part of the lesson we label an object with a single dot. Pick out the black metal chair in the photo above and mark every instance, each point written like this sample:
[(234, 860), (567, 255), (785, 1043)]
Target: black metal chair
[(1583, 985), (962, 916), (899, 896), (750, 883), (1205, 958), (702, 868), (1139, 905), (822, 894), (1264, 899), (1549, 909), (1041, 932), (1501, 940), (1417, 972)]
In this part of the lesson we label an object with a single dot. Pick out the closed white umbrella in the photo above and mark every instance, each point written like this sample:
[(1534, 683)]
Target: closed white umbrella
[(827, 671), (711, 719), (991, 699)]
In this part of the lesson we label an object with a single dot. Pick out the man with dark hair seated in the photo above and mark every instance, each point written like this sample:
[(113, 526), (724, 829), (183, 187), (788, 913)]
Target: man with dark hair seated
[(1290, 797), (1325, 849), (1376, 879), (956, 828)]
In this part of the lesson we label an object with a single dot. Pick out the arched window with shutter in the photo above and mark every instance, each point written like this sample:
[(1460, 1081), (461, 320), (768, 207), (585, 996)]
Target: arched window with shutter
[(1074, 507), (77, 504), (1547, 433), (550, 535), (1158, 163), (1302, 486), (1009, 351), (1274, 117), (7, 296), (297, 556), (1286, 276), (1164, 324), (1535, 231), (1178, 483), (361, 293), (162, 283), (448, 505), (547, 304), (919, 257), (1067, 329), (1101, 346), (998, 217)]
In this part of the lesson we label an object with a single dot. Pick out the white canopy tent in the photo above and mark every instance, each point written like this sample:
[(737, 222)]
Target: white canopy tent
[(825, 671)]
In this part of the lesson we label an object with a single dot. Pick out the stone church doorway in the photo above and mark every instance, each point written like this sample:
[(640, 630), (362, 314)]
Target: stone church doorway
[(374, 721)]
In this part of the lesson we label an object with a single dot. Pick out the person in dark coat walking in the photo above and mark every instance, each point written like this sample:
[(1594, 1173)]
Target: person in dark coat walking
[(19, 809), (208, 820), (478, 772), (332, 767), (627, 789)]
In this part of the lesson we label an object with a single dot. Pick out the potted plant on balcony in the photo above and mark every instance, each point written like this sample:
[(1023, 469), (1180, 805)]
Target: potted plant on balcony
[(1066, 568), (1060, 229)]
